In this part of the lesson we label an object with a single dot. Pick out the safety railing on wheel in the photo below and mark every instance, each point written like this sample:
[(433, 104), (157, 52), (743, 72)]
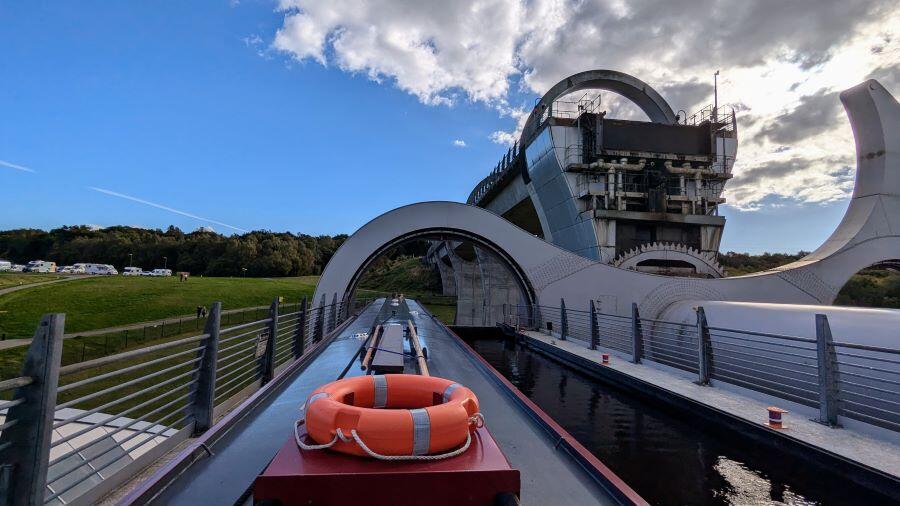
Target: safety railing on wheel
[(839, 378), (72, 433)]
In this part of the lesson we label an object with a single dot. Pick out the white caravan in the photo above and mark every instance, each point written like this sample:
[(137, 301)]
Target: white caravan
[(40, 266), (98, 269)]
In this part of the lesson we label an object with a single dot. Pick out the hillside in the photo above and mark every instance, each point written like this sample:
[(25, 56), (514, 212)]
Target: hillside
[(101, 301)]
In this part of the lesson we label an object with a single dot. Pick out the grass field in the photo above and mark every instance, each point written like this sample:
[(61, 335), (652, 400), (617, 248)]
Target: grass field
[(446, 313), (100, 302), (11, 279)]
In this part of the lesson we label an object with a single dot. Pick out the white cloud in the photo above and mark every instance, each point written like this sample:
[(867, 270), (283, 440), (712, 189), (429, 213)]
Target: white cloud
[(504, 137), (252, 40), (164, 208), (434, 50), (459, 143), (10, 165), (776, 59)]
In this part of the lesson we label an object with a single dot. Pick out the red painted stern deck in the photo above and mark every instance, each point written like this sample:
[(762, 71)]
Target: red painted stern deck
[(296, 477)]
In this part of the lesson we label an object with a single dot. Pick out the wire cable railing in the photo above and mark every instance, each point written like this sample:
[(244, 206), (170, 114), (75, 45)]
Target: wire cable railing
[(73, 432), (853, 380)]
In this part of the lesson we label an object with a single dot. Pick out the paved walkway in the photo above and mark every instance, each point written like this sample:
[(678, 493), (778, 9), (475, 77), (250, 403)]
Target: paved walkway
[(16, 288), (847, 442), (14, 343)]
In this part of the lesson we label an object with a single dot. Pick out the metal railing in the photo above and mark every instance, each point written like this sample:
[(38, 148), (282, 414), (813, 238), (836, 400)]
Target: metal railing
[(723, 115), (96, 343), (572, 109), (497, 174), (853, 380), (72, 433)]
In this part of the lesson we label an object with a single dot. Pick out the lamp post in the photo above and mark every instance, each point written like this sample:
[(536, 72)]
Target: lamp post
[(130, 262), (716, 96), (165, 262), (243, 272)]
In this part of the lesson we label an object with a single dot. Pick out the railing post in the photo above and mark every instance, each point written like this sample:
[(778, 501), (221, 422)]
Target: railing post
[(25, 459), (595, 330), (333, 317), (704, 349), (320, 321), (563, 321), (828, 372), (268, 365), (535, 317), (637, 335), (300, 334), (201, 409)]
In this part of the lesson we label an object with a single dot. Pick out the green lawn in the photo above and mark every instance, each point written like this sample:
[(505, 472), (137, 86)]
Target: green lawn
[(99, 302), (446, 313), (10, 279)]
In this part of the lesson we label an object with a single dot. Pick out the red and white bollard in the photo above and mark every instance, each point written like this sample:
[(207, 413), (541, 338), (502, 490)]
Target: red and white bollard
[(604, 358), (775, 420)]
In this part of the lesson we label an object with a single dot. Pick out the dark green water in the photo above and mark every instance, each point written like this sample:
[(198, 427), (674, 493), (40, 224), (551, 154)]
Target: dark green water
[(663, 455)]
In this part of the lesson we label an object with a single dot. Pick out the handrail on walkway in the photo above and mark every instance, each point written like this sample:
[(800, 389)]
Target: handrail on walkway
[(839, 378)]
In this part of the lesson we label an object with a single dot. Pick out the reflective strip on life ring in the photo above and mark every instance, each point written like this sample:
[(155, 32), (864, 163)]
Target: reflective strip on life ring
[(449, 391), (314, 397), (380, 391), (394, 414), (421, 431)]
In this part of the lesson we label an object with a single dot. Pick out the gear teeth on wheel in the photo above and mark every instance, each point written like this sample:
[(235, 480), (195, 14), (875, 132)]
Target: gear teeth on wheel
[(710, 263)]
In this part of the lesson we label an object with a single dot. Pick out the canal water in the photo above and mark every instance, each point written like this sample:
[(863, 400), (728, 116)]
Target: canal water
[(666, 457)]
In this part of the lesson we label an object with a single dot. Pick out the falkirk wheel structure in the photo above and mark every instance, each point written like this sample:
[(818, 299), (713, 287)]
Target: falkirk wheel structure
[(579, 214)]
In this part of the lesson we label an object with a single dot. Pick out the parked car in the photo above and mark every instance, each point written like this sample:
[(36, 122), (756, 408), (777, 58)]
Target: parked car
[(5, 265), (71, 269), (98, 269), (17, 268), (161, 272), (40, 266), (132, 271)]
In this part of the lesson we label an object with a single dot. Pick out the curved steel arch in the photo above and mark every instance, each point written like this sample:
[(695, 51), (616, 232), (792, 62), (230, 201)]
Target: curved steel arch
[(520, 251), (444, 234), (630, 87)]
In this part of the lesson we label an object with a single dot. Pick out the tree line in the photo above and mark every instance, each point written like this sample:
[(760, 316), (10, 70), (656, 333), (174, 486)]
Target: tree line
[(257, 254)]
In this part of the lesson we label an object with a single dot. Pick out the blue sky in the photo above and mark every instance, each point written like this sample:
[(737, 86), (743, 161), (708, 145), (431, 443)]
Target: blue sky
[(190, 106)]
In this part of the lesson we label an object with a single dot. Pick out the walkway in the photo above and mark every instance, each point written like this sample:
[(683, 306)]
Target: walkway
[(14, 343), (881, 453), (16, 288)]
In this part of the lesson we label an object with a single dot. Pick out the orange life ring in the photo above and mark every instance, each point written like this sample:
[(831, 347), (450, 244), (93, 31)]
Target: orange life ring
[(394, 414)]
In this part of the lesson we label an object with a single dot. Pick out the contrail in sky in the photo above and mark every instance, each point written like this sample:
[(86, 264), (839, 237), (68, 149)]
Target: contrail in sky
[(164, 208), (17, 167)]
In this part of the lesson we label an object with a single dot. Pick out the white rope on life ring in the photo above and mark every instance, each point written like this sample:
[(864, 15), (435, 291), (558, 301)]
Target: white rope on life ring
[(477, 419)]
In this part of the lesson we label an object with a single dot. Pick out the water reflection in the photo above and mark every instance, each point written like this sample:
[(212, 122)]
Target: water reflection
[(666, 458)]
